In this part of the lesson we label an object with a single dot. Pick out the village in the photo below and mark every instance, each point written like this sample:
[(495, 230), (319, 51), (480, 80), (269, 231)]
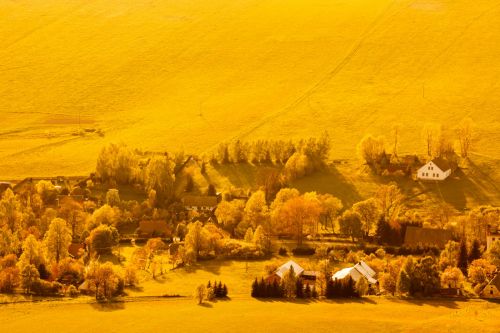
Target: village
[(140, 218)]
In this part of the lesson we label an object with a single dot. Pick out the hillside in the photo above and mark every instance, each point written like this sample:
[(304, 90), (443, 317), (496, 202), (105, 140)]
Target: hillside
[(165, 75)]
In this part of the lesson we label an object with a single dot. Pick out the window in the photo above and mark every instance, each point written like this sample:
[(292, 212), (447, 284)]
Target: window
[(491, 292)]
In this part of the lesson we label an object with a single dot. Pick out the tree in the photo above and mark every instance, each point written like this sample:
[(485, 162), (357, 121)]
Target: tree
[(72, 211), (57, 240), (299, 216), (475, 251), (449, 255), (493, 254), (113, 197), (465, 132), (104, 279), (270, 180), (32, 253), (159, 176), (290, 282), (262, 239), (10, 211), (230, 213), (463, 257), (371, 149), (481, 271), (281, 198), (154, 247), (104, 215), (256, 209), (452, 277), (368, 211), (46, 190), (248, 235), (200, 293), (362, 287), (29, 275), (196, 238), (430, 134), (389, 278), (406, 283), (103, 238), (350, 224), (297, 166), (330, 208), (117, 162), (390, 200), (427, 276)]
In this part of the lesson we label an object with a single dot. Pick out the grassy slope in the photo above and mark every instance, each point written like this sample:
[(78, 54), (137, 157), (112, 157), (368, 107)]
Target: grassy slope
[(161, 75), (372, 315)]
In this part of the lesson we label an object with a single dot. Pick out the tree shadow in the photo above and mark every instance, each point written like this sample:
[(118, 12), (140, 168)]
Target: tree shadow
[(206, 305), (330, 180), (108, 306), (360, 300), (451, 303), (212, 266)]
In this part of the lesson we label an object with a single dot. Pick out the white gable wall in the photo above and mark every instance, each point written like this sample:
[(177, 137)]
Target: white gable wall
[(431, 171)]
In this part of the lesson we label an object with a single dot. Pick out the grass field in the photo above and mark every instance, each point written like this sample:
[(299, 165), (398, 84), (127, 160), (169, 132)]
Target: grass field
[(165, 75), (250, 315)]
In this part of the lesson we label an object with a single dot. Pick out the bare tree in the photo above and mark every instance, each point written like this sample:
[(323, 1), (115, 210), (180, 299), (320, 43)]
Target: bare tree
[(465, 132)]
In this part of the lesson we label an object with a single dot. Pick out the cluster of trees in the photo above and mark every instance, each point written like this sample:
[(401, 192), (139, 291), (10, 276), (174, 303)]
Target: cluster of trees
[(210, 292), (118, 164), (216, 290), (346, 288), (439, 141), (419, 277), (104, 280), (290, 213), (277, 151), (290, 286)]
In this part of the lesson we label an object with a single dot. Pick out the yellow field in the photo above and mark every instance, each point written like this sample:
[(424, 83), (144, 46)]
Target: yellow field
[(165, 75), (249, 315)]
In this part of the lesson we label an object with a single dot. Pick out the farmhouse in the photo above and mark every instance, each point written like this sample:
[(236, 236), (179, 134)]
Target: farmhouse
[(492, 289), (199, 203), (437, 169), (308, 277), (415, 236), (361, 269)]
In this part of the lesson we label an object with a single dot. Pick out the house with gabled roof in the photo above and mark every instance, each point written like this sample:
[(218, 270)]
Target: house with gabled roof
[(492, 289), (360, 270), (200, 203), (437, 169), (308, 277)]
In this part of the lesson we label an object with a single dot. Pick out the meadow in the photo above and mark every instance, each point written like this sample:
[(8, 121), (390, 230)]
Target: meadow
[(373, 314), (187, 75)]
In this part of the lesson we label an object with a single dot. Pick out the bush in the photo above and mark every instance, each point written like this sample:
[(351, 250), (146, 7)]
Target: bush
[(304, 251), (46, 288), (282, 251), (73, 291), (9, 279)]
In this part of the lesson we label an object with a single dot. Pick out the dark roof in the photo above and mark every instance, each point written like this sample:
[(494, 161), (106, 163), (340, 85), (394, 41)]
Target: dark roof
[(495, 281), (442, 164), (199, 201), (427, 236)]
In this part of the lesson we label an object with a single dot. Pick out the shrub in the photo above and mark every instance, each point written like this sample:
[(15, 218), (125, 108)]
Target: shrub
[(46, 288), (304, 251), (73, 291), (282, 251)]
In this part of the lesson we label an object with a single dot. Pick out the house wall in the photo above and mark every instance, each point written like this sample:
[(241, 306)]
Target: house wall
[(490, 291), (430, 171), (490, 239)]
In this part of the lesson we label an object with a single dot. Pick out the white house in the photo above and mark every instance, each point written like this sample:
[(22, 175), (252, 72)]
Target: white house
[(437, 169), (361, 269)]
